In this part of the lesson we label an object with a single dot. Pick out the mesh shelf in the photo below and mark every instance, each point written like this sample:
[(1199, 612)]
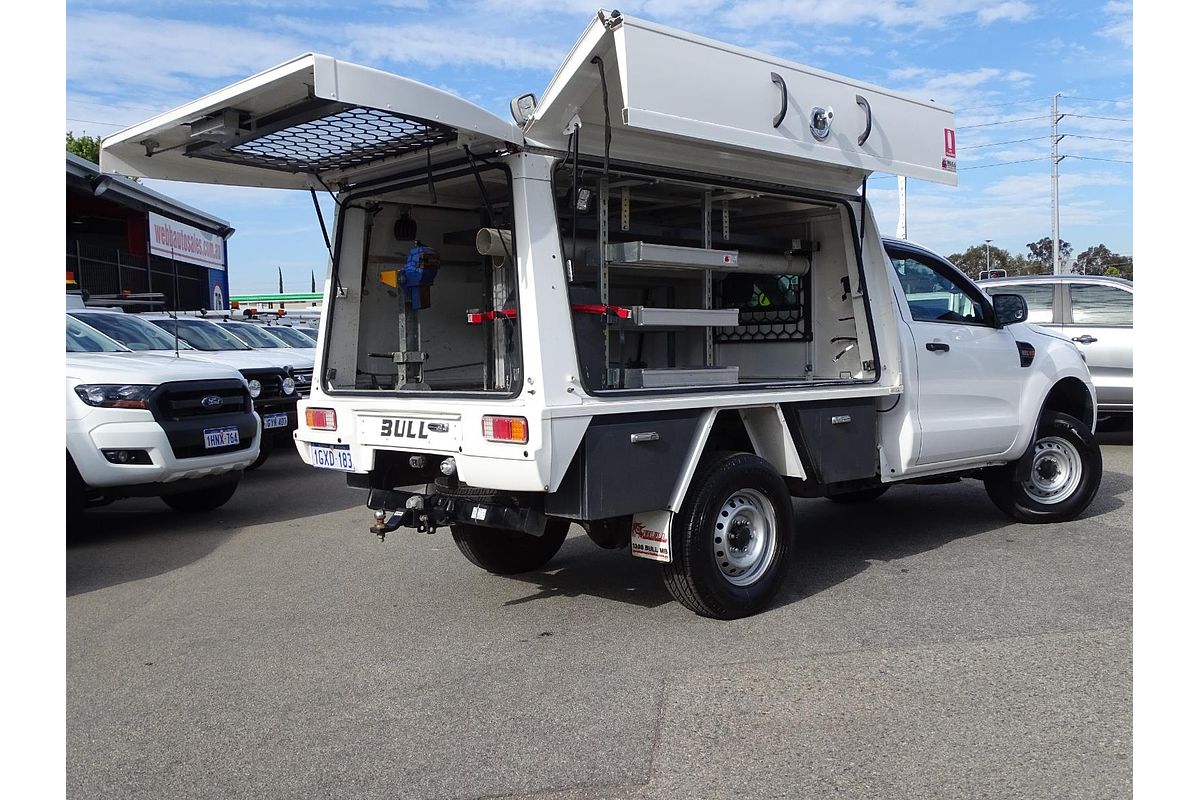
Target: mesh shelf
[(766, 326), (349, 138)]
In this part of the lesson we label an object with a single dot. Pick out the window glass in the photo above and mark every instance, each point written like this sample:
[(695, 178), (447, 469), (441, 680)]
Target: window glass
[(1039, 298), (290, 336), (251, 335), (82, 339), (933, 297), (202, 335), (1100, 305), (134, 333)]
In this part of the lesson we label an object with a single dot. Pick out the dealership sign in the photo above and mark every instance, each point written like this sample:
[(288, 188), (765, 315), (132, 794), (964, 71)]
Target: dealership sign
[(171, 239)]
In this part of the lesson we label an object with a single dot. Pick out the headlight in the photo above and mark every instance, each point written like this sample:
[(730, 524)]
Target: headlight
[(255, 387), (289, 386), (114, 395)]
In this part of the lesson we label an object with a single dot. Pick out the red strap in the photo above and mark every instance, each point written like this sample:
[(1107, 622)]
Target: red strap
[(478, 317), (587, 308)]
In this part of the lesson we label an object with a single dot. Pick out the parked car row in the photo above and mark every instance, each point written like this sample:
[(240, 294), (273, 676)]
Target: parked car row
[(174, 405)]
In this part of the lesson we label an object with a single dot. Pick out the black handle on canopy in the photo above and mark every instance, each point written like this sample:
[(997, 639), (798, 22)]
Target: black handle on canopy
[(862, 101), (777, 79)]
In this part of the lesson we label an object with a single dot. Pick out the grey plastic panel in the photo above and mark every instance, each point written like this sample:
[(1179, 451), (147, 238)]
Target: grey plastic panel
[(837, 438), (626, 464)]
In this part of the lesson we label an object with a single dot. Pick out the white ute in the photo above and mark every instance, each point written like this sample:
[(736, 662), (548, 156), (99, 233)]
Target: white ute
[(655, 304), (142, 425)]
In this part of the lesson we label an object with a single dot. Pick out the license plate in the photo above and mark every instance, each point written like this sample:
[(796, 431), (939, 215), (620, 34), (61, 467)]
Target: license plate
[(220, 437), (274, 421), (331, 457)]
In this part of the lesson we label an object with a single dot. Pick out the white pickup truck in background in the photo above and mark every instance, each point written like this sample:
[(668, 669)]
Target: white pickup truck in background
[(655, 304), (143, 425)]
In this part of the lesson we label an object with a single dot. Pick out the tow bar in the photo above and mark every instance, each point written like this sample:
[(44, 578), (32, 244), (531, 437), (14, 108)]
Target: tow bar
[(427, 513)]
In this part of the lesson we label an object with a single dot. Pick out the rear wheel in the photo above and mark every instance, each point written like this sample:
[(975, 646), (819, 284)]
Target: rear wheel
[(731, 539), (509, 552), (1060, 479), (201, 500)]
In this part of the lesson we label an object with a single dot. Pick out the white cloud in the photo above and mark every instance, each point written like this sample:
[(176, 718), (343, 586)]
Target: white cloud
[(1007, 11), (442, 44), (1120, 23)]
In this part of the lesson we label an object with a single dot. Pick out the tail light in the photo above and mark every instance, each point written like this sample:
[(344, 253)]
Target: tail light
[(506, 429), (320, 419)]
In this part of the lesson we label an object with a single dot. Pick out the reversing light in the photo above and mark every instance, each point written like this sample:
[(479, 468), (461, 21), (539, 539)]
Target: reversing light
[(320, 419), (506, 429)]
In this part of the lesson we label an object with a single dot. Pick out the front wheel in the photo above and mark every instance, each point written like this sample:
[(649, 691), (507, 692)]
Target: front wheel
[(731, 539), (201, 500), (509, 552), (1060, 479)]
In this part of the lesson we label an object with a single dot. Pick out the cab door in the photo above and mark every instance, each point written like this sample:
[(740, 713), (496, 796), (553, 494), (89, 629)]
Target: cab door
[(313, 120), (1099, 320), (968, 370)]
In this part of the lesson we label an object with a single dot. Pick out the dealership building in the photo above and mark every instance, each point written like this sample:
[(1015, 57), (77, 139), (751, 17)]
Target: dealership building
[(130, 245)]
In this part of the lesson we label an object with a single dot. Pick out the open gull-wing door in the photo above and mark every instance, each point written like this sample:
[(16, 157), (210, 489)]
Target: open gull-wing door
[(680, 99), (313, 115)]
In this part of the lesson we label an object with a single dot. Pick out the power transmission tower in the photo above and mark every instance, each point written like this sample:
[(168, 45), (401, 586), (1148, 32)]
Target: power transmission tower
[(1055, 118)]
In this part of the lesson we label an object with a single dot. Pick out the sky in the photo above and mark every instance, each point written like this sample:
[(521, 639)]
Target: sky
[(996, 63)]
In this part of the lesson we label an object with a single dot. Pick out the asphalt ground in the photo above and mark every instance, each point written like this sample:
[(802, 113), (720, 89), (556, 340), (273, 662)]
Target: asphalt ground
[(924, 646)]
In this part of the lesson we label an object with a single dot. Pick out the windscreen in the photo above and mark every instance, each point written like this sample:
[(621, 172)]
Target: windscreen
[(134, 333), (251, 335), (82, 339), (291, 338), (202, 335)]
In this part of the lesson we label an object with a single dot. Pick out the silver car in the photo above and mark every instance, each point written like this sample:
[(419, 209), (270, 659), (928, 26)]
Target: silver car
[(1097, 314)]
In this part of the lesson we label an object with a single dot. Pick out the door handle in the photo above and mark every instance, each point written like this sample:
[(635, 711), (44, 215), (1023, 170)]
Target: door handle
[(1085, 339), (638, 438), (937, 347)]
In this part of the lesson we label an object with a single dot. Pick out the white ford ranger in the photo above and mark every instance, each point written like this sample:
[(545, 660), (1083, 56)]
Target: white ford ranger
[(152, 426), (655, 304)]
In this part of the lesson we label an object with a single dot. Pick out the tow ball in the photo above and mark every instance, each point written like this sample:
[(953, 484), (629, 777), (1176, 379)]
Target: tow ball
[(414, 515)]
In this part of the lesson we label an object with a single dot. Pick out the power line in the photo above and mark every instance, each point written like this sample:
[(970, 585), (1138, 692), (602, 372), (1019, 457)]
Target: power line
[(1091, 116), (1004, 122), (1005, 163), (1093, 158), (1010, 141), (1098, 99), (1099, 138), (97, 122), (999, 105)]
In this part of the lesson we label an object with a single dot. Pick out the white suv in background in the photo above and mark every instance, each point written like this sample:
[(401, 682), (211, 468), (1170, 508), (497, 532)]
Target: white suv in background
[(1095, 312), (152, 426)]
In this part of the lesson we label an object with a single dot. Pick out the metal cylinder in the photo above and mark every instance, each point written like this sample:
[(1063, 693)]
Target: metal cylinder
[(495, 243)]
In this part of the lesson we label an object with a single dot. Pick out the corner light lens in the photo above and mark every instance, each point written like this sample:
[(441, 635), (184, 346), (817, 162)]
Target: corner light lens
[(255, 387), (320, 419), (114, 395), (506, 429), (289, 386)]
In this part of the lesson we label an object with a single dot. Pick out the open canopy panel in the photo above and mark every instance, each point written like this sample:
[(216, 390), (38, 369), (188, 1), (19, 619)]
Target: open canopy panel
[(313, 115), (683, 100)]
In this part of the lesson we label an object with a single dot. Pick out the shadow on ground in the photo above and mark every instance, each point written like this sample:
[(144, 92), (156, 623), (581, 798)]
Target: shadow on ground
[(141, 537)]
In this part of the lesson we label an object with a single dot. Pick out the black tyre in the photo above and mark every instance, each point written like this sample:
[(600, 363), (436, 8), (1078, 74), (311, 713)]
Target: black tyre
[(76, 499), (264, 451), (201, 500), (509, 552), (730, 541), (860, 496), (1061, 479)]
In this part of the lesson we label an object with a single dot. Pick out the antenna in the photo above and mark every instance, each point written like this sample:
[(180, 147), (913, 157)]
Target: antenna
[(175, 300)]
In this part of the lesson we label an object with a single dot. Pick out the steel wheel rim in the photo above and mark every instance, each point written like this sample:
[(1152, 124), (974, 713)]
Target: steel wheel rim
[(1056, 472), (744, 537)]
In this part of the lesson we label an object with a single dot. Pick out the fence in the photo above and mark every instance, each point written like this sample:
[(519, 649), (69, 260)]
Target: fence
[(110, 271)]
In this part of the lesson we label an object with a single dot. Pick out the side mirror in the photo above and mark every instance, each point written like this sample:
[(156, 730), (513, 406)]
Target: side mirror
[(1010, 308)]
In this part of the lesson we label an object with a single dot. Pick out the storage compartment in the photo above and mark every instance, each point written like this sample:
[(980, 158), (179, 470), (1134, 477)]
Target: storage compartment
[(836, 438), (627, 463)]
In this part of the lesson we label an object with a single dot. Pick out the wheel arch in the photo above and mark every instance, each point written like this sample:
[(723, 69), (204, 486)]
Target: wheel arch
[(1071, 396)]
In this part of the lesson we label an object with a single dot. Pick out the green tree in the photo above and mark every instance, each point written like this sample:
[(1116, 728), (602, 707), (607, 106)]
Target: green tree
[(84, 146), (1099, 260), (976, 259), (1042, 253)]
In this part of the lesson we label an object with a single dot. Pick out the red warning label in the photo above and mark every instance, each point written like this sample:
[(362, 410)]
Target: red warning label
[(950, 153)]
